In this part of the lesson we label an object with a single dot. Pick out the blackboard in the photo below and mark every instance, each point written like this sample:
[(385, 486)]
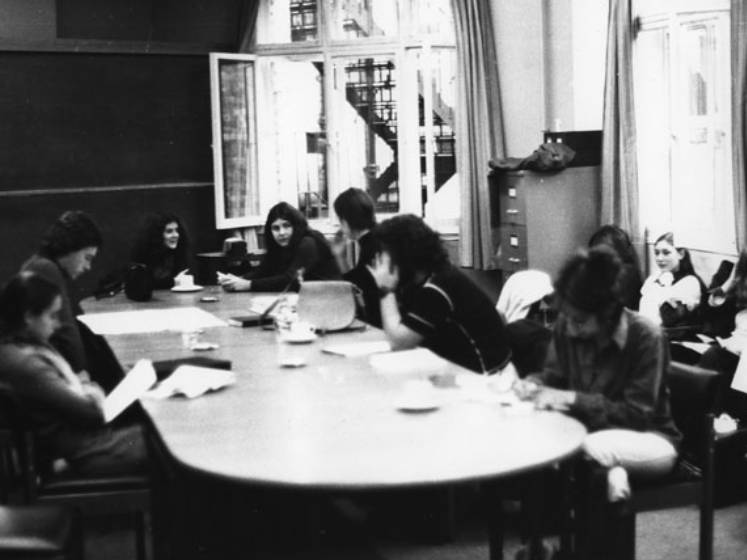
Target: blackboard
[(89, 119)]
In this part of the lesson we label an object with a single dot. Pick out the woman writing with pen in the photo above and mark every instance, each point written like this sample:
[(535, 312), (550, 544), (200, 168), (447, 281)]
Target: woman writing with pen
[(163, 246), (291, 246)]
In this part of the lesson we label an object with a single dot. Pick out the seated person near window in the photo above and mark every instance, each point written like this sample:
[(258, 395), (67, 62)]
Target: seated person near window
[(631, 280), (291, 247), (65, 410), (672, 294), (66, 253), (355, 210), (525, 302), (425, 300), (725, 354), (606, 367), (163, 246)]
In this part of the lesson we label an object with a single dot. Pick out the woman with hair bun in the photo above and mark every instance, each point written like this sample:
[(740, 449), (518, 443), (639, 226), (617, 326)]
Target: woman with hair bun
[(292, 246)]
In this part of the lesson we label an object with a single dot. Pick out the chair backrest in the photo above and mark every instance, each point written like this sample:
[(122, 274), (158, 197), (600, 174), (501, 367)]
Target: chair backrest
[(11, 436), (694, 395)]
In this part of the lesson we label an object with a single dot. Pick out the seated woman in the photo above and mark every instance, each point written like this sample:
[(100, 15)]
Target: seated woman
[(606, 367), (672, 294), (725, 354), (163, 246), (425, 300), (631, 279), (525, 302), (292, 247), (65, 410), (355, 210), (67, 250)]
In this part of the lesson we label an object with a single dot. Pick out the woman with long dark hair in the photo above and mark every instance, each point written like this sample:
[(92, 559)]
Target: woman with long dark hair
[(631, 279), (292, 247), (671, 295), (64, 410), (163, 246)]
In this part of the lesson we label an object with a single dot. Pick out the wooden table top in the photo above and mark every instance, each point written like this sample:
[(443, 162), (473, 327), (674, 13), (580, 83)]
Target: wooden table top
[(332, 424)]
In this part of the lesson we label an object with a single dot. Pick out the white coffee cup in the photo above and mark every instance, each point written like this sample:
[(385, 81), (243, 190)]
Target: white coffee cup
[(184, 281)]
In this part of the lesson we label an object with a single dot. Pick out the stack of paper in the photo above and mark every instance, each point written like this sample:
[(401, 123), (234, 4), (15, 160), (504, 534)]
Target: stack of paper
[(193, 381), (151, 320), (358, 348)]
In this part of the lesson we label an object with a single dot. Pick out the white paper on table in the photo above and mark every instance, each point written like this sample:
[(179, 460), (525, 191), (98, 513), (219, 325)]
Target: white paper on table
[(351, 349), (739, 382), (151, 320), (134, 385), (699, 347), (192, 381), (417, 361)]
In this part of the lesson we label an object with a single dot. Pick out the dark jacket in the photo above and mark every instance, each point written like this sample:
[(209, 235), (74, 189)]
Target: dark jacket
[(359, 275)]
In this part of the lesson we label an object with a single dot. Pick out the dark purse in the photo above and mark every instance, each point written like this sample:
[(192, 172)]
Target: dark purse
[(138, 282)]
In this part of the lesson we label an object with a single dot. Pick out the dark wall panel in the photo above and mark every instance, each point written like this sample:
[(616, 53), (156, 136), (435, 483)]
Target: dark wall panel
[(119, 214), (72, 120)]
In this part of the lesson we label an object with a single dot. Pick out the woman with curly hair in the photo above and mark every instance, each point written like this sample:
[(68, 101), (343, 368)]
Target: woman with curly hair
[(162, 246), (292, 246), (425, 300)]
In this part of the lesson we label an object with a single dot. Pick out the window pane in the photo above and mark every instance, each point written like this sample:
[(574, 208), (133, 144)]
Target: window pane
[(353, 19), (286, 21), (436, 102), (433, 17), (294, 134), (238, 137), (367, 119)]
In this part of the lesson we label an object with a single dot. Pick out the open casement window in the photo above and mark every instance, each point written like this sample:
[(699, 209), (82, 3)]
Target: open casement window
[(346, 93), (683, 118)]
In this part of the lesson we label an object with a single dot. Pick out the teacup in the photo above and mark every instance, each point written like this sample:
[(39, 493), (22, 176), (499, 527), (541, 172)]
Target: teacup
[(184, 281)]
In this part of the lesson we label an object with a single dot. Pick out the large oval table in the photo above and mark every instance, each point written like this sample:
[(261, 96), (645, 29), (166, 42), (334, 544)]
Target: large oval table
[(333, 424)]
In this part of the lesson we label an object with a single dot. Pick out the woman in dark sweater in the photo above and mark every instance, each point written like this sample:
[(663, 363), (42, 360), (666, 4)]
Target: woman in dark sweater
[(292, 247), (64, 409), (162, 246)]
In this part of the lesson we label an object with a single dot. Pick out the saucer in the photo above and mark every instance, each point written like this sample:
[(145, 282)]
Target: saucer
[(192, 288), (417, 404), (298, 337)]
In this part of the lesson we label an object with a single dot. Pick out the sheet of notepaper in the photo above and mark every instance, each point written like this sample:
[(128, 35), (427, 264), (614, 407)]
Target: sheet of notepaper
[(134, 385), (151, 320)]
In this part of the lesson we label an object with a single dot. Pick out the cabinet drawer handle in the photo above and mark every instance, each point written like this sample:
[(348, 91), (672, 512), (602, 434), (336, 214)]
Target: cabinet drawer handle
[(514, 260), (512, 211)]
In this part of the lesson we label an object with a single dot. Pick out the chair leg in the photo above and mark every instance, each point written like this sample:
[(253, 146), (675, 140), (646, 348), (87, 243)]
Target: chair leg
[(495, 520), (144, 535), (706, 531)]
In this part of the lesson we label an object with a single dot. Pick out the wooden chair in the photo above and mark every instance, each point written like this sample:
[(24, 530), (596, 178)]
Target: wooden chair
[(87, 495), (694, 395), (30, 532)]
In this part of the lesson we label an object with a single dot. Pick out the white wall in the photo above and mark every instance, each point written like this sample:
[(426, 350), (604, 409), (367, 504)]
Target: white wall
[(551, 63)]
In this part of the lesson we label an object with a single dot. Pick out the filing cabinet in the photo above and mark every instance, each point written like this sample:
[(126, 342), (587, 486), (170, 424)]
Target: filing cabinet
[(544, 217)]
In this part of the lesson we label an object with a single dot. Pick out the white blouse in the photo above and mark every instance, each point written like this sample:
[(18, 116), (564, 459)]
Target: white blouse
[(659, 288)]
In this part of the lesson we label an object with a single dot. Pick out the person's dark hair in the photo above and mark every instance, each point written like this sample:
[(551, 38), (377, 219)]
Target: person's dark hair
[(72, 231), (413, 246), (25, 292), (685, 267), (590, 282), (740, 269), (619, 240), (284, 211), (149, 247), (356, 207)]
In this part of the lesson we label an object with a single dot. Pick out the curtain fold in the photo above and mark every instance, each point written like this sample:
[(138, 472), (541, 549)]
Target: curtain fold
[(248, 25), (479, 127), (739, 116), (619, 196)]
